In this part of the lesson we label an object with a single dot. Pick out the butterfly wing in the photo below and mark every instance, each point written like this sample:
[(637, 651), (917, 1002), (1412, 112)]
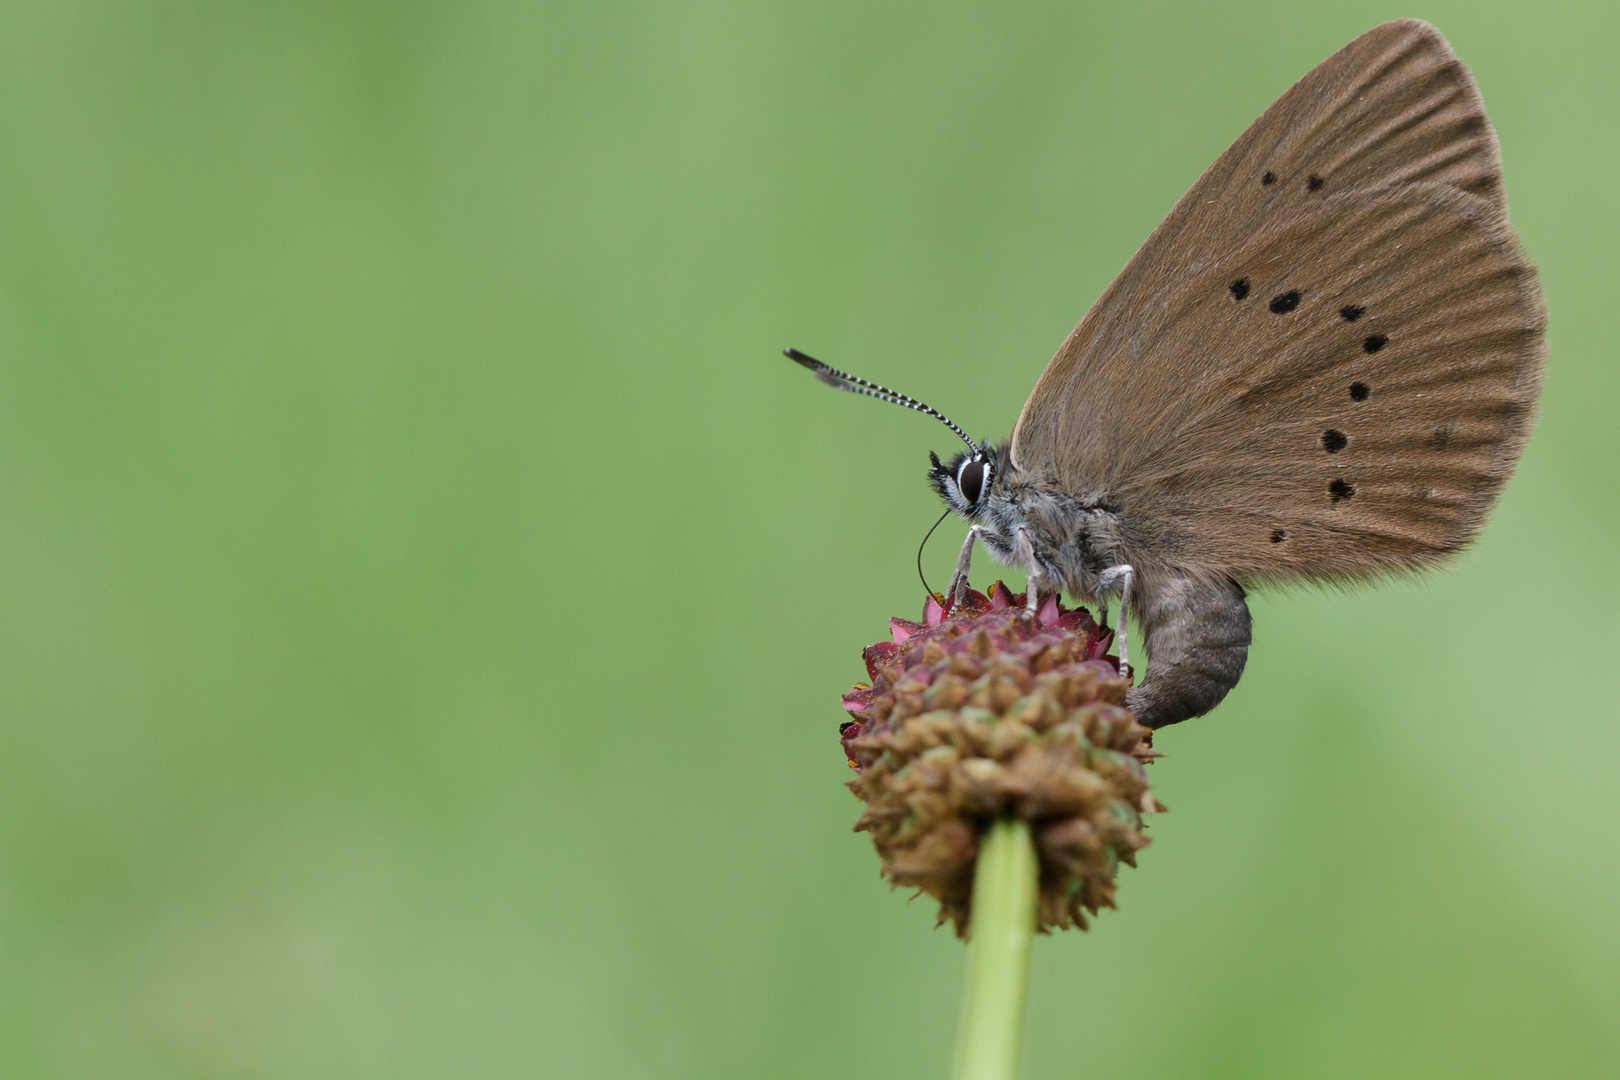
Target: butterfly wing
[(1325, 361), (1356, 410)]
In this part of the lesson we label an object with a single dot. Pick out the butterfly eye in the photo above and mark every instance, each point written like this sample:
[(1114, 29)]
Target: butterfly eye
[(970, 479)]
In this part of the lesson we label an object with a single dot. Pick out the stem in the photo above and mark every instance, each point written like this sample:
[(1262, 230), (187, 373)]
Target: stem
[(991, 1026)]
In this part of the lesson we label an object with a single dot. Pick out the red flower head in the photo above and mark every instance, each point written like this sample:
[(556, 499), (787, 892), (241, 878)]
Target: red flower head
[(981, 712)]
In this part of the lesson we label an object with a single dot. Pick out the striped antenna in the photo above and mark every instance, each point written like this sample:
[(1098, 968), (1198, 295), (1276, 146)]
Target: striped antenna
[(857, 385)]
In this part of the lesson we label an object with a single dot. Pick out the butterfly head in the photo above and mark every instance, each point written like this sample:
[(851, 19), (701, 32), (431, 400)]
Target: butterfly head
[(965, 480)]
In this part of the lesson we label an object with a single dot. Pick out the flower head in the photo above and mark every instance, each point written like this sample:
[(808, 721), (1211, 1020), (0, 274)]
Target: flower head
[(981, 712)]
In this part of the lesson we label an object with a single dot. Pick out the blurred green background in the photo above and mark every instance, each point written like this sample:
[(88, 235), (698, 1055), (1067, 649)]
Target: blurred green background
[(425, 592)]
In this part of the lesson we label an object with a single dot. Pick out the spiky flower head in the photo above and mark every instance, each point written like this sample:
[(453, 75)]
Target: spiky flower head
[(981, 712)]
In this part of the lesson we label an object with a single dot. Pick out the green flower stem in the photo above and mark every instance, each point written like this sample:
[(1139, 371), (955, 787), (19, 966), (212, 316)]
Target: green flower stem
[(991, 1027)]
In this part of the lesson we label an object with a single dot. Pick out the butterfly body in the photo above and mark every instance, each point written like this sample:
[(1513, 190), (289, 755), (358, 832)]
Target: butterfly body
[(1195, 620)]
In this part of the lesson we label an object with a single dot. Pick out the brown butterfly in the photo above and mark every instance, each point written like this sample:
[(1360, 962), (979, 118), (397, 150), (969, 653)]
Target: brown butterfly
[(1322, 366)]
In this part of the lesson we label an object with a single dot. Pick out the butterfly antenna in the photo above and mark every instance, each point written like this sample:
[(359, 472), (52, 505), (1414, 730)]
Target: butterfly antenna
[(856, 385), (924, 544)]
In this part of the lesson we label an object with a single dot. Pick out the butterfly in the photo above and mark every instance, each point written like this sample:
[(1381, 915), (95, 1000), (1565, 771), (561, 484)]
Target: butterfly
[(1321, 366)]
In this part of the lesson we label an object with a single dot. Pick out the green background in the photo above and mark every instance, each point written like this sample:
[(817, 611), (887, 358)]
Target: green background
[(425, 592)]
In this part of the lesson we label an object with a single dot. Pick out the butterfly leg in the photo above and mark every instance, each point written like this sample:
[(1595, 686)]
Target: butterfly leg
[(1122, 576), (959, 580), (1025, 552)]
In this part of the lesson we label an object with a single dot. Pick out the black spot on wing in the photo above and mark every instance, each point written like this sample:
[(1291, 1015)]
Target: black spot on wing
[(1283, 303)]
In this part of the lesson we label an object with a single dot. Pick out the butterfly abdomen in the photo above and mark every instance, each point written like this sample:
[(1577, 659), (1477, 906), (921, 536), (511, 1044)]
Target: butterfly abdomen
[(1199, 631)]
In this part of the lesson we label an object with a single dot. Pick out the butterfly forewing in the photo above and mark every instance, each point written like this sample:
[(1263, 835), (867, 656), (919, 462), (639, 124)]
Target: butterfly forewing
[(1324, 362)]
